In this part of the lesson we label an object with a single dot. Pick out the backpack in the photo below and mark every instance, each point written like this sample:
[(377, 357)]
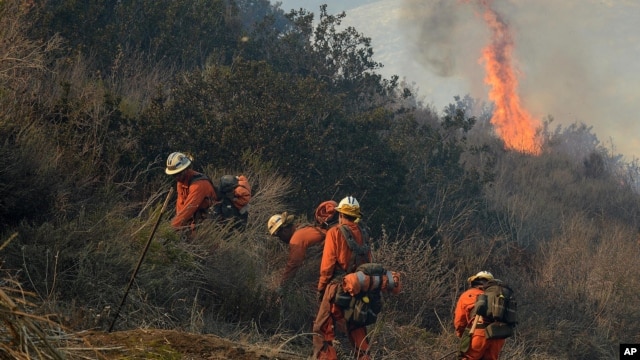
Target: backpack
[(361, 309), (499, 306), (365, 306), (234, 193)]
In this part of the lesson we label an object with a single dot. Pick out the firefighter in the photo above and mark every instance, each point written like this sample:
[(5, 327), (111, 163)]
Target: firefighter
[(195, 192), (475, 345), (338, 260), (300, 237)]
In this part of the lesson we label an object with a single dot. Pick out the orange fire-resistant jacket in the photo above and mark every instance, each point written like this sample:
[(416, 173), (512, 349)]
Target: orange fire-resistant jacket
[(302, 238), (462, 316), (198, 195), (336, 252)]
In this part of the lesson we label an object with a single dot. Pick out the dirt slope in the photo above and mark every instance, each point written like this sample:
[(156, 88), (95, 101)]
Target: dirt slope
[(169, 344)]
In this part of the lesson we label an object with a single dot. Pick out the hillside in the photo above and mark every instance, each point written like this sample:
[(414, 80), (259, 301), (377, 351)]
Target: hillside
[(170, 344), (293, 101)]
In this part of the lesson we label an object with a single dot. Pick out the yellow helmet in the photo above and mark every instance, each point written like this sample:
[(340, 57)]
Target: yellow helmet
[(277, 221), (176, 162), (481, 275), (349, 206)]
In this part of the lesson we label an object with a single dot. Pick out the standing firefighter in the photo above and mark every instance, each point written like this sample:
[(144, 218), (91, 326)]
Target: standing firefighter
[(471, 324), (301, 237), (338, 259), (195, 192)]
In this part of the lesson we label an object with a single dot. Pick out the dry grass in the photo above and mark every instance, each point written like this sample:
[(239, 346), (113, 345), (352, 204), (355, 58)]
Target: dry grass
[(222, 282), (585, 275), (20, 57), (25, 335)]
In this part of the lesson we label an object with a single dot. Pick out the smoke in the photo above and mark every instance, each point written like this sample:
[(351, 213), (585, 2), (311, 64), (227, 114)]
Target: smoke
[(443, 35), (437, 38), (572, 57)]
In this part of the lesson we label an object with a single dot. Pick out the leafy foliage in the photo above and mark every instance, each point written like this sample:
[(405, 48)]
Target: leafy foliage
[(183, 33), (219, 113), (340, 58), (438, 186)]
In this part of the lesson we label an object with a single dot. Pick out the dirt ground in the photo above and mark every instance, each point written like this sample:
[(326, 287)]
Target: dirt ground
[(169, 344)]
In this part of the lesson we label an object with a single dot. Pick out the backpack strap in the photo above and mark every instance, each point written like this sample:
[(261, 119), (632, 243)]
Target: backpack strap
[(198, 177), (359, 252), (212, 200)]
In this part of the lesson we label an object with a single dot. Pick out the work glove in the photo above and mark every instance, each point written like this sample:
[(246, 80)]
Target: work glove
[(320, 295)]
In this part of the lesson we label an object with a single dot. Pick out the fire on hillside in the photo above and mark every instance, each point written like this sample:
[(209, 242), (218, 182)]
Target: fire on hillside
[(513, 124)]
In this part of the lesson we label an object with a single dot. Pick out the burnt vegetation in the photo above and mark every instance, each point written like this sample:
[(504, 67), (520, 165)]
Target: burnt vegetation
[(94, 95)]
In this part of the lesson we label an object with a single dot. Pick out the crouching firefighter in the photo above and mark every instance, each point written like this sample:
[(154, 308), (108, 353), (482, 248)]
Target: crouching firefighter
[(195, 193), (301, 237), (484, 317), (346, 247)]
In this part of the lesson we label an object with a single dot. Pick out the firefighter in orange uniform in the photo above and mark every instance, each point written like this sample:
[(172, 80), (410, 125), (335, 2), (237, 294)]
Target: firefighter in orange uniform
[(337, 260), (479, 347), (301, 237), (195, 192)]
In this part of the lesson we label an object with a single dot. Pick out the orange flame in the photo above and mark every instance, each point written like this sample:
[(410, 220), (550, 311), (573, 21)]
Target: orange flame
[(515, 126)]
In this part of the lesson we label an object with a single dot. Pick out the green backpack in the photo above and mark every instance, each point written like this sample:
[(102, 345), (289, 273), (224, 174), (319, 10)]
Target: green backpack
[(499, 306), (363, 308)]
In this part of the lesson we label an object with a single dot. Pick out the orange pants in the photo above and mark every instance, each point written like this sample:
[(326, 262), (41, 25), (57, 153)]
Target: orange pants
[(330, 316), (483, 349)]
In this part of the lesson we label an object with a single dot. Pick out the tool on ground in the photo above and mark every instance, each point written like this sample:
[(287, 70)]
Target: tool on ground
[(135, 271)]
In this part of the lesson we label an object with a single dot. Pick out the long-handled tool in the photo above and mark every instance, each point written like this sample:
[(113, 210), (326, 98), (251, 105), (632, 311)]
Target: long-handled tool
[(448, 355), (471, 331), (135, 271)]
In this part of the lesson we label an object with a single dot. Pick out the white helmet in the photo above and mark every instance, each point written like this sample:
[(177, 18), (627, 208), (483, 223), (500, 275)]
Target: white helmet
[(277, 221), (176, 162), (481, 275), (349, 206)]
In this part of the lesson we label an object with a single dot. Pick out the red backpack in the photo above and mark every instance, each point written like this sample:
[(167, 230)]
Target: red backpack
[(235, 190)]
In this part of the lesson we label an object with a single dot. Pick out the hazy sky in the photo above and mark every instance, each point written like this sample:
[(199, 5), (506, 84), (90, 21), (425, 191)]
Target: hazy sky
[(578, 60)]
